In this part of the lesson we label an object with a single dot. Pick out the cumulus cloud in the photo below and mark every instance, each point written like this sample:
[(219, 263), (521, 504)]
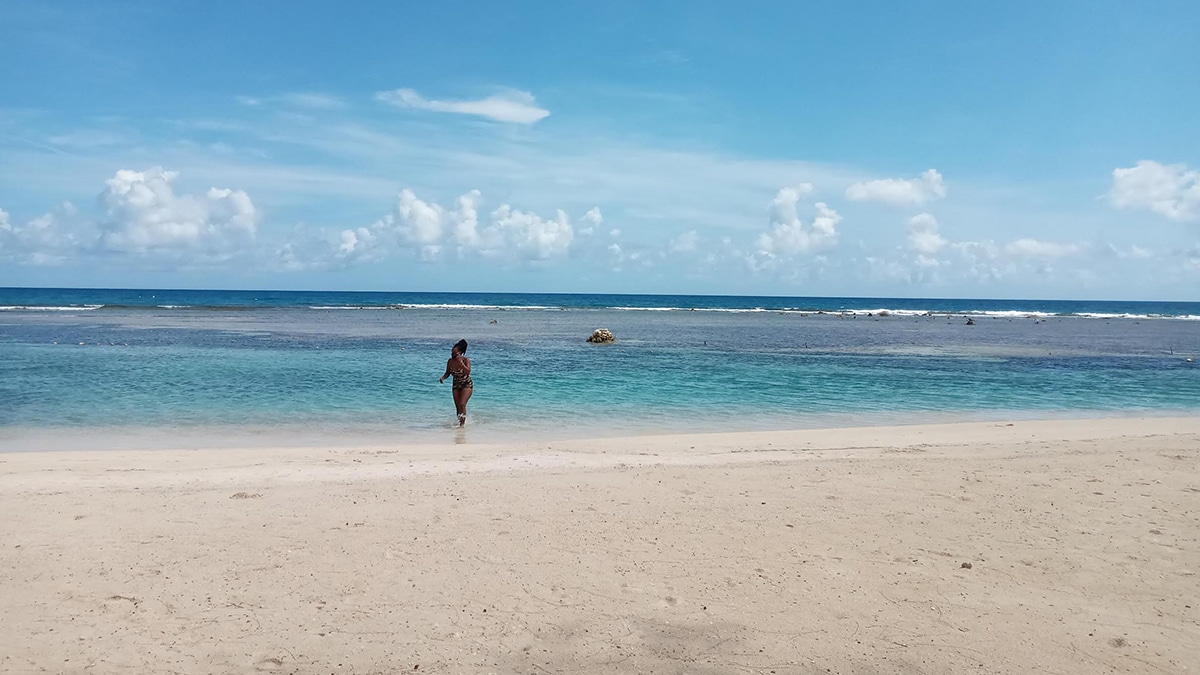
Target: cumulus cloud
[(356, 242), (983, 260), (45, 240), (464, 220), (433, 230), (789, 235), (141, 215), (144, 214), (591, 220), (420, 222), (530, 235), (321, 249), (923, 237), (1170, 190), (900, 191), (518, 107), (992, 261)]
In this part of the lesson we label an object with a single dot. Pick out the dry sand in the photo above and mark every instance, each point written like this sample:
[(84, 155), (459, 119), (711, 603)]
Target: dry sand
[(1047, 547)]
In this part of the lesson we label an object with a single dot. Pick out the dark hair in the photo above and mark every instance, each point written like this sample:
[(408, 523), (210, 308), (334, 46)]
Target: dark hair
[(461, 346)]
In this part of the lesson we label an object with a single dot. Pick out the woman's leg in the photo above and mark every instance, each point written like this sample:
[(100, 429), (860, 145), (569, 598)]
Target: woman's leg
[(460, 407), (460, 404)]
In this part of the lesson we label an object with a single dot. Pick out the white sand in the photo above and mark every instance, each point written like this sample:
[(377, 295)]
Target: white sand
[(790, 552)]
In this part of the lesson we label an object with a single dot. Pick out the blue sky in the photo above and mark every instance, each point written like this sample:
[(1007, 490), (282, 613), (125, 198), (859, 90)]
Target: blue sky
[(915, 149)]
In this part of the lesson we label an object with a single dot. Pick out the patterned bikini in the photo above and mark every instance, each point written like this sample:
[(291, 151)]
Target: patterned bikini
[(463, 381)]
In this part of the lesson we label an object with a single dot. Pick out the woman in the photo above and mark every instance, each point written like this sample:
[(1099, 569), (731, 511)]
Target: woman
[(459, 366)]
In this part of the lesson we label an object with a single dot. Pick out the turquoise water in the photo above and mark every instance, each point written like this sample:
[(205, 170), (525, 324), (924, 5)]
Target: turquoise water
[(218, 362)]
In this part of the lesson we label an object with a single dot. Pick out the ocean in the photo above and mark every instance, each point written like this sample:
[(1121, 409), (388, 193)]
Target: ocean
[(81, 367)]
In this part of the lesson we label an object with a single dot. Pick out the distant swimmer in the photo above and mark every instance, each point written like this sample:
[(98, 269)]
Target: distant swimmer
[(459, 368)]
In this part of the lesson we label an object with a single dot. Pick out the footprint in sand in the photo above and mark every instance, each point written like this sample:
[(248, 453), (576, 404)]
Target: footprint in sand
[(270, 663)]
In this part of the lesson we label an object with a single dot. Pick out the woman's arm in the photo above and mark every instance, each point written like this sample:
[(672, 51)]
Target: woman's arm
[(447, 373), (458, 365)]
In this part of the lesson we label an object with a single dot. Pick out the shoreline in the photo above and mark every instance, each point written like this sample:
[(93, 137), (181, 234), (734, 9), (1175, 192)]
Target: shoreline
[(389, 461), (246, 437), (1064, 546)]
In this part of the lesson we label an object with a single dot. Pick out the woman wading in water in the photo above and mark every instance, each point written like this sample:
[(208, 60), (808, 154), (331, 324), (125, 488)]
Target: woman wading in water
[(459, 367)]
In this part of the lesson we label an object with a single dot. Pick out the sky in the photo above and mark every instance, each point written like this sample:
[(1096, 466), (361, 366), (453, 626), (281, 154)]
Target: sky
[(920, 149)]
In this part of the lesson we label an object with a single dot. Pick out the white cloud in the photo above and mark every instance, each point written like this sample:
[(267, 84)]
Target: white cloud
[(1033, 248), (633, 255), (530, 235), (983, 260), (900, 191), (713, 193), (709, 191), (420, 223), (143, 214), (355, 241), (41, 241), (429, 228), (593, 217), (423, 225), (465, 220), (989, 261), (1170, 190), (788, 234), (887, 269), (46, 241), (508, 106), (322, 249), (923, 237)]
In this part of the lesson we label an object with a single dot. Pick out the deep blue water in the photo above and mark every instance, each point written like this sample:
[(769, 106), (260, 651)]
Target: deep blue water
[(243, 361), (75, 299)]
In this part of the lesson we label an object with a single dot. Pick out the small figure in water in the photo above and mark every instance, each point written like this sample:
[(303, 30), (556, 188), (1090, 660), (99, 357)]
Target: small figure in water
[(459, 367)]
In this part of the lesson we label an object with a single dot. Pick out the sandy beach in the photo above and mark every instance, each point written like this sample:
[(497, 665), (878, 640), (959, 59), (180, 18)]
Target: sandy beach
[(1067, 546)]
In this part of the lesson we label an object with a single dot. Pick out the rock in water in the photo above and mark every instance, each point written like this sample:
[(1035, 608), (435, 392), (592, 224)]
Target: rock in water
[(601, 336)]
